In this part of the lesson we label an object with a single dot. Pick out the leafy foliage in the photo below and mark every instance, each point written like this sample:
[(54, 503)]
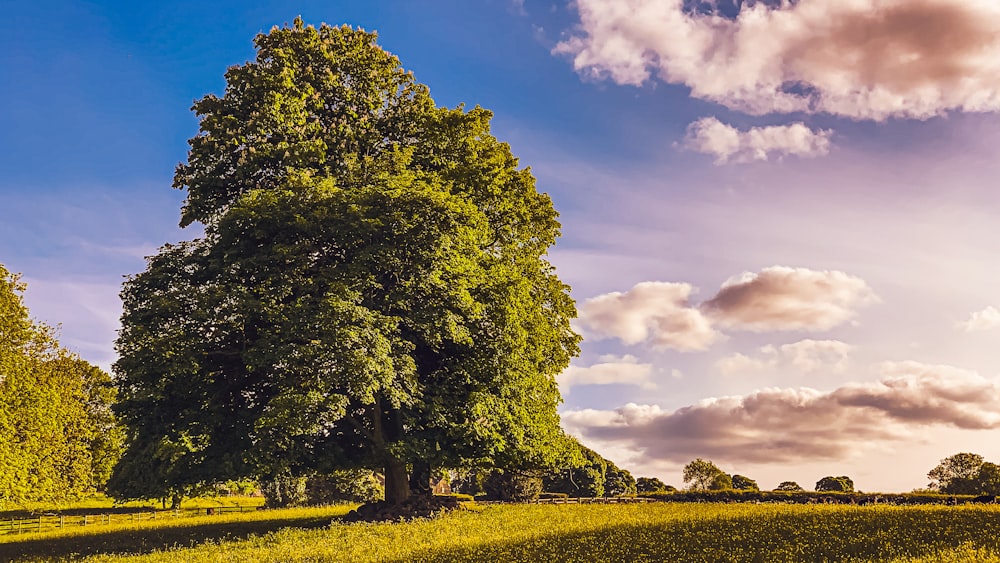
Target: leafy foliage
[(652, 485), (965, 474), (742, 483), (354, 485), (842, 483), (789, 486), (58, 436), (703, 475), (371, 290)]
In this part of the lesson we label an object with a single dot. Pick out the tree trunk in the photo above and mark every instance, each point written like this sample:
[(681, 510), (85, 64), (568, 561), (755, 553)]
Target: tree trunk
[(420, 478), (397, 485)]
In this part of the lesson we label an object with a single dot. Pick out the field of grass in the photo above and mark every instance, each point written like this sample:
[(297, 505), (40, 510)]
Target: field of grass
[(100, 504), (584, 533)]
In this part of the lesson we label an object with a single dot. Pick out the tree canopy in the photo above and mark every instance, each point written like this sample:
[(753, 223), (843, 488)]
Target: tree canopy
[(58, 436), (965, 474), (703, 475), (789, 486), (371, 290), (742, 483), (842, 483)]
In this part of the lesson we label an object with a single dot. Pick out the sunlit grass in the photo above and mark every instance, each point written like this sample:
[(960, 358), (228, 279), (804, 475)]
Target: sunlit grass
[(584, 533)]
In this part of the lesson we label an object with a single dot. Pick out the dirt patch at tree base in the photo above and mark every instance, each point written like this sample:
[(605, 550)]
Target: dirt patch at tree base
[(417, 506)]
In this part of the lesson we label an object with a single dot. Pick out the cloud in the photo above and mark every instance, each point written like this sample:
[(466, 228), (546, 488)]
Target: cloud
[(804, 356), (775, 426), (782, 298), (775, 299), (654, 312), (728, 144), (610, 370), (862, 59), (987, 319)]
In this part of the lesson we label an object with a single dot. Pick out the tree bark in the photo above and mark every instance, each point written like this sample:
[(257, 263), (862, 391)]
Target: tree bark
[(397, 484)]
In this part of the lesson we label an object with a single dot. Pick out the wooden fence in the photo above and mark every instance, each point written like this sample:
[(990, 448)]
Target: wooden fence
[(51, 522)]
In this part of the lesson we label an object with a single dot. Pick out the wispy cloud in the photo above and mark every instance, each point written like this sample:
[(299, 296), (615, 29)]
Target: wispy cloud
[(987, 319), (625, 370), (728, 144), (864, 59), (805, 356)]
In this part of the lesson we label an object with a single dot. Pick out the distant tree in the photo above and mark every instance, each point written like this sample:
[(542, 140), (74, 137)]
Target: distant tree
[(742, 483), (789, 486), (957, 474), (841, 484), (58, 435), (585, 476), (618, 482), (721, 482), (989, 479), (650, 485), (703, 475)]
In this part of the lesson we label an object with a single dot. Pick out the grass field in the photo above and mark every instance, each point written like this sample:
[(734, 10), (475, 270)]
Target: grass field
[(529, 533)]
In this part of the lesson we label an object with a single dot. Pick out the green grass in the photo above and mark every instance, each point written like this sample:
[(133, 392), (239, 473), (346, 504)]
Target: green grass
[(529, 533), (100, 504)]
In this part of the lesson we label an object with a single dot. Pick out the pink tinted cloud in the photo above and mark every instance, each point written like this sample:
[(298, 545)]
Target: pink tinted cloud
[(782, 298), (799, 425), (658, 313), (862, 59)]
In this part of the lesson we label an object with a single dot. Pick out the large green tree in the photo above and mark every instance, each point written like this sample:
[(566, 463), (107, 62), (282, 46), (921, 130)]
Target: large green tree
[(371, 290), (58, 436)]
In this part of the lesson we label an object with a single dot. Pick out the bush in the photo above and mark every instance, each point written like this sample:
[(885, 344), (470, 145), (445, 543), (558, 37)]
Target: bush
[(352, 485), (284, 491), (512, 485)]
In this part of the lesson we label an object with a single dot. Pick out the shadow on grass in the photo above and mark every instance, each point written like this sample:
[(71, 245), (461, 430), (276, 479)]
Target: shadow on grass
[(145, 540), (864, 536)]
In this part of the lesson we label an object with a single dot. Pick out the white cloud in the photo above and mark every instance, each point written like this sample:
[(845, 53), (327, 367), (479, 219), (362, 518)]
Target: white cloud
[(863, 59), (610, 370), (805, 356), (654, 312), (987, 319), (728, 144), (776, 426), (782, 298)]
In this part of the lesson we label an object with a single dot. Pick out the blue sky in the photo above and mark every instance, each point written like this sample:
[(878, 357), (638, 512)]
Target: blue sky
[(778, 219)]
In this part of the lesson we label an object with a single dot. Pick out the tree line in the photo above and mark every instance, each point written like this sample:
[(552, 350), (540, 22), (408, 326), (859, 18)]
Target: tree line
[(58, 434)]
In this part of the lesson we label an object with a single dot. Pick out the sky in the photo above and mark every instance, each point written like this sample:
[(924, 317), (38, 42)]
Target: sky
[(778, 216)]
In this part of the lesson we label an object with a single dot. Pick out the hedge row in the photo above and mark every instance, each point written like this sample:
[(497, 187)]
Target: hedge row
[(806, 497)]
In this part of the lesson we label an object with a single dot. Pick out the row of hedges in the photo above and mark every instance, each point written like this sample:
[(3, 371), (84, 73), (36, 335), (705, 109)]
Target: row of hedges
[(805, 497)]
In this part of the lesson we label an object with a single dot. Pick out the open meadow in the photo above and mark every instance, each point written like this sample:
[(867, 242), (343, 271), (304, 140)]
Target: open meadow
[(583, 533)]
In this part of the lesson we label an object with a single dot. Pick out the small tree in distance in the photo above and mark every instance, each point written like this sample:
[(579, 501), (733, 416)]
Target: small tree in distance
[(741, 483), (965, 474), (703, 475), (789, 486), (652, 485), (842, 484)]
